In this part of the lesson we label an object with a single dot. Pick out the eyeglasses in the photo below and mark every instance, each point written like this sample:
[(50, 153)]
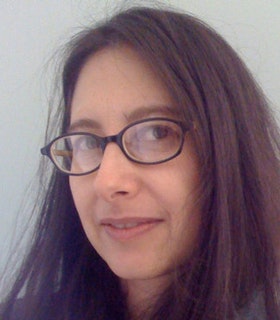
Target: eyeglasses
[(148, 141)]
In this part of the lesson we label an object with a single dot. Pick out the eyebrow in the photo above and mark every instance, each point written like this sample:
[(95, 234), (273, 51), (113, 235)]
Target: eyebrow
[(84, 123), (137, 114), (148, 111)]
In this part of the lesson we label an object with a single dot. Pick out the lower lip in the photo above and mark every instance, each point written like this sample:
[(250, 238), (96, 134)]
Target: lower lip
[(126, 234)]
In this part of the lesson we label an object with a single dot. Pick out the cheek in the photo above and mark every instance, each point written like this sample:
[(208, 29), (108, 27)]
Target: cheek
[(84, 200), (178, 187), (185, 221), (81, 195), (76, 190), (184, 209)]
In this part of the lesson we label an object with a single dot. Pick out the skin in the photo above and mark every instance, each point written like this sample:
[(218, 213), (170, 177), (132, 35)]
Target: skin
[(115, 88)]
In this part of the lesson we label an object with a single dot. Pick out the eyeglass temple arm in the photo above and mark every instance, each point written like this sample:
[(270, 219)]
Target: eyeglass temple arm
[(60, 153), (63, 153)]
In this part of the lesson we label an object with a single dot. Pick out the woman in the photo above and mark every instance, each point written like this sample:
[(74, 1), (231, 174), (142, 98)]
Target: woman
[(164, 204)]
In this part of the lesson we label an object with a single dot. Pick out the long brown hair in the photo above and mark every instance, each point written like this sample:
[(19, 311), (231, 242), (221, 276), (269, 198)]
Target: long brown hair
[(237, 142)]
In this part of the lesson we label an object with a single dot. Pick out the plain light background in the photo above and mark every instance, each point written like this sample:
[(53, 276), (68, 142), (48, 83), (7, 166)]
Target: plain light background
[(32, 30)]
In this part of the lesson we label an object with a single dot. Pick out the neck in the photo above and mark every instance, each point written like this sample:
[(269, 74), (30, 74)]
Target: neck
[(143, 294)]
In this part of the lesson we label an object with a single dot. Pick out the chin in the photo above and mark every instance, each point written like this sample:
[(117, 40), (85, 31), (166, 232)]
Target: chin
[(137, 271)]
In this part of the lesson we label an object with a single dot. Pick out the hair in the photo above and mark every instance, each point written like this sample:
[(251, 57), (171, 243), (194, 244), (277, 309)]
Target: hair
[(237, 142)]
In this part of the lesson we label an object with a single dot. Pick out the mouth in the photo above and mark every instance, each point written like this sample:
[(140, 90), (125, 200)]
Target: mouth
[(125, 229)]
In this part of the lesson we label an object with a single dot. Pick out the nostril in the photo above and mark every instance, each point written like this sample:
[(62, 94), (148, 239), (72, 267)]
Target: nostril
[(122, 193), (117, 194)]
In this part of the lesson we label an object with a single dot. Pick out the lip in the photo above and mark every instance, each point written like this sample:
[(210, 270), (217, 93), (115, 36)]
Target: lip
[(128, 228)]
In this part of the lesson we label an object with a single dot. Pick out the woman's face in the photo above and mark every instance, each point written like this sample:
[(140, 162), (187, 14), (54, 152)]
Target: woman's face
[(142, 219)]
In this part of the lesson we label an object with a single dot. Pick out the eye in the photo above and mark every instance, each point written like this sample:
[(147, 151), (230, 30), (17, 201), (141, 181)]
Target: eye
[(160, 132), (84, 143), (156, 132)]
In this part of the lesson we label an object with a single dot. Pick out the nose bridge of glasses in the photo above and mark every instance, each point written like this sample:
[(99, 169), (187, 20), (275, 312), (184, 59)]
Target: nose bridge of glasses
[(106, 140)]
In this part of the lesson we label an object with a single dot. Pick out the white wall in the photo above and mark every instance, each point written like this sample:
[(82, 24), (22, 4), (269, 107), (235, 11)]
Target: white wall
[(31, 30)]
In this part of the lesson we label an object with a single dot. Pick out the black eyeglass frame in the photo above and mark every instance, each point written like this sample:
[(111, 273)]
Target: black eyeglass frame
[(118, 139)]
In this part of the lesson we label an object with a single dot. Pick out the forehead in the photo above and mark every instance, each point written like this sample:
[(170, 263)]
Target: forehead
[(114, 83)]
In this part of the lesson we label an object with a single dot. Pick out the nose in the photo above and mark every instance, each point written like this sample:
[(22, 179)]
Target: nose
[(117, 177)]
